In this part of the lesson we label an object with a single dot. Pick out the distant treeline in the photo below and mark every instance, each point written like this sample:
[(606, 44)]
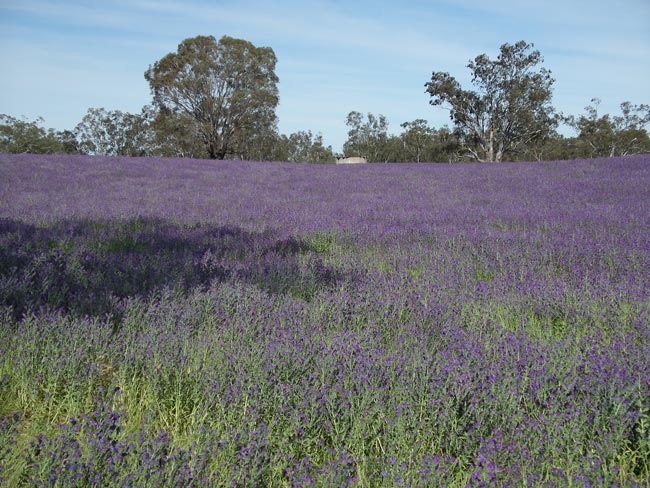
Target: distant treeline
[(217, 99)]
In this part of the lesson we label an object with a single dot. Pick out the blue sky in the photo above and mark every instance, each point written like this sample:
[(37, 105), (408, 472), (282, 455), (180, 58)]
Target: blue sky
[(61, 57)]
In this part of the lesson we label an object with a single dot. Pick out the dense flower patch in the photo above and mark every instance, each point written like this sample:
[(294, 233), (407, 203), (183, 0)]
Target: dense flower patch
[(193, 323)]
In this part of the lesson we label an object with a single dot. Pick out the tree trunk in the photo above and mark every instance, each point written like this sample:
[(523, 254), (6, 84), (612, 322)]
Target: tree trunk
[(490, 148), (211, 150), (499, 155), (221, 153), (216, 151)]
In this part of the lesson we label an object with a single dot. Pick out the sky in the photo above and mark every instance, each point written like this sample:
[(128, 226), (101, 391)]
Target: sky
[(60, 58)]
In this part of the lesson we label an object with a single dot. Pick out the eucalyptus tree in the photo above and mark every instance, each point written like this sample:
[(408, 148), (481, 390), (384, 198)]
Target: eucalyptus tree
[(421, 142), (305, 147), (510, 107), (606, 135), (367, 137), (227, 88), (20, 135), (115, 133)]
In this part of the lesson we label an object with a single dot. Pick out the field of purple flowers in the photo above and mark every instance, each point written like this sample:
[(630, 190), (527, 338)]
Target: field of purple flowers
[(198, 323)]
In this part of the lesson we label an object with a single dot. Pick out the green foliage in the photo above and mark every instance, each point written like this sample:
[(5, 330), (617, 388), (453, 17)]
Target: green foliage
[(304, 147), (510, 108), (417, 138), (174, 135), (367, 139), (321, 242), (612, 136), (417, 143), (23, 136), (421, 143), (227, 88), (114, 133), (217, 99)]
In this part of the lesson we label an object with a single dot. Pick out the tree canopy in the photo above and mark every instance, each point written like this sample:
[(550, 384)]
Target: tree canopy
[(217, 99), (227, 88), (25, 136), (367, 139), (605, 135), (510, 107), (114, 133)]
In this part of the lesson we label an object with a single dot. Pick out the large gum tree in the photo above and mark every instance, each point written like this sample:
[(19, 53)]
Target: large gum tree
[(510, 107), (228, 88)]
